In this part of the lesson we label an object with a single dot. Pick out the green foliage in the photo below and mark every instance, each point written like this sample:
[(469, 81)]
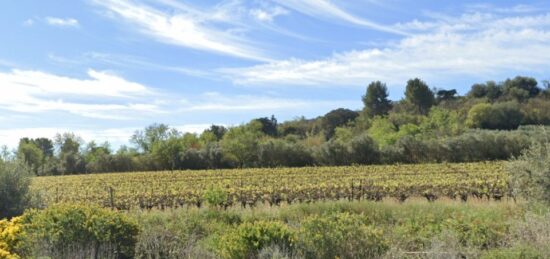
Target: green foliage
[(376, 99), (530, 173), (70, 157), (340, 235), (14, 189), (489, 90), (441, 123), (167, 153), (31, 155), (419, 94), (383, 131), (337, 118), (248, 239), (58, 229), (281, 153), (516, 252), (521, 88), (505, 116), (240, 143), (215, 196)]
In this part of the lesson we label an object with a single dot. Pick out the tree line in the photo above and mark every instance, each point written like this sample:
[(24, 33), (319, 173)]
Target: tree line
[(490, 122)]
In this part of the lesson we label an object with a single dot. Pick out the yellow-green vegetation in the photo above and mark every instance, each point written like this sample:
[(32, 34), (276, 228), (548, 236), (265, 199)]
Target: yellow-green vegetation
[(69, 231), (249, 187), (333, 229)]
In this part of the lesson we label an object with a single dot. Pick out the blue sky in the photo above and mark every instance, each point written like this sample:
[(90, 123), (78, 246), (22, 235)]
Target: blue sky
[(104, 68)]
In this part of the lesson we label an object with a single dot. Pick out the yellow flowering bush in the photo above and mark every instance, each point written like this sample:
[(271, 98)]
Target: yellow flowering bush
[(10, 237)]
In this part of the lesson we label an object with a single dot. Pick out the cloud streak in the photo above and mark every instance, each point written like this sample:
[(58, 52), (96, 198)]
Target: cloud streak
[(326, 9), (475, 44), (190, 28)]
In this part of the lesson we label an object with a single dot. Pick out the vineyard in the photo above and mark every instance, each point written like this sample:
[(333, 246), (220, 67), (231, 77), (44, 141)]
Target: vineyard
[(249, 187)]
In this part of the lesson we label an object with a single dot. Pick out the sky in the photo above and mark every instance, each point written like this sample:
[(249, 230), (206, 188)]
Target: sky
[(105, 68)]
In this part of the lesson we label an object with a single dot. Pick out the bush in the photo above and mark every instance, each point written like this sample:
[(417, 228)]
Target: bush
[(215, 196), (530, 173), (505, 116), (340, 235), (14, 188), (250, 238), (70, 231), (10, 238)]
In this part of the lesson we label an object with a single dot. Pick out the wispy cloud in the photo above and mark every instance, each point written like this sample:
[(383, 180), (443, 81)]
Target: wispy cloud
[(28, 22), (326, 9), (267, 14), (102, 95), (62, 22), (190, 28), (474, 44), (126, 61)]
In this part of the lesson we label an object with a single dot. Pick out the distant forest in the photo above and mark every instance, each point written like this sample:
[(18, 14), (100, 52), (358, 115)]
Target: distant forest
[(427, 125)]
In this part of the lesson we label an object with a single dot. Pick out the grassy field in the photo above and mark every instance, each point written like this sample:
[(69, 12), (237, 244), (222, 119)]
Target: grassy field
[(251, 187)]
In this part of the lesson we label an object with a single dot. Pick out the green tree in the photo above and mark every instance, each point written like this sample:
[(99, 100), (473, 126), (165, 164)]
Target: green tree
[(521, 88), (383, 131), (14, 189), (31, 155), (269, 125), (167, 153), (376, 99), (144, 140), (98, 158), (240, 144), (504, 116), (337, 118), (217, 131), (70, 158), (419, 94)]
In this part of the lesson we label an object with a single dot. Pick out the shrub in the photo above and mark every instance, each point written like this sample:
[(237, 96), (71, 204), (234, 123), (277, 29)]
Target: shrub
[(340, 235), (215, 196), (67, 231), (530, 173), (10, 238), (14, 188), (250, 238)]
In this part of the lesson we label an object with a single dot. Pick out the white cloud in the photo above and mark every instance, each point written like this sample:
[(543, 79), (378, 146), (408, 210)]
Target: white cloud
[(326, 9), (267, 15), (37, 92), (190, 28), (67, 22), (475, 44)]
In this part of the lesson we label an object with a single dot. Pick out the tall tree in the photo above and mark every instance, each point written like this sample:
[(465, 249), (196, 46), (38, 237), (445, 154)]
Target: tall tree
[(521, 88), (145, 140), (337, 118), (30, 154), (376, 99), (419, 94), (70, 158), (269, 125)]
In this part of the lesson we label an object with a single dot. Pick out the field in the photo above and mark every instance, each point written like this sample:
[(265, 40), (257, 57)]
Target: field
[(251, 187)]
